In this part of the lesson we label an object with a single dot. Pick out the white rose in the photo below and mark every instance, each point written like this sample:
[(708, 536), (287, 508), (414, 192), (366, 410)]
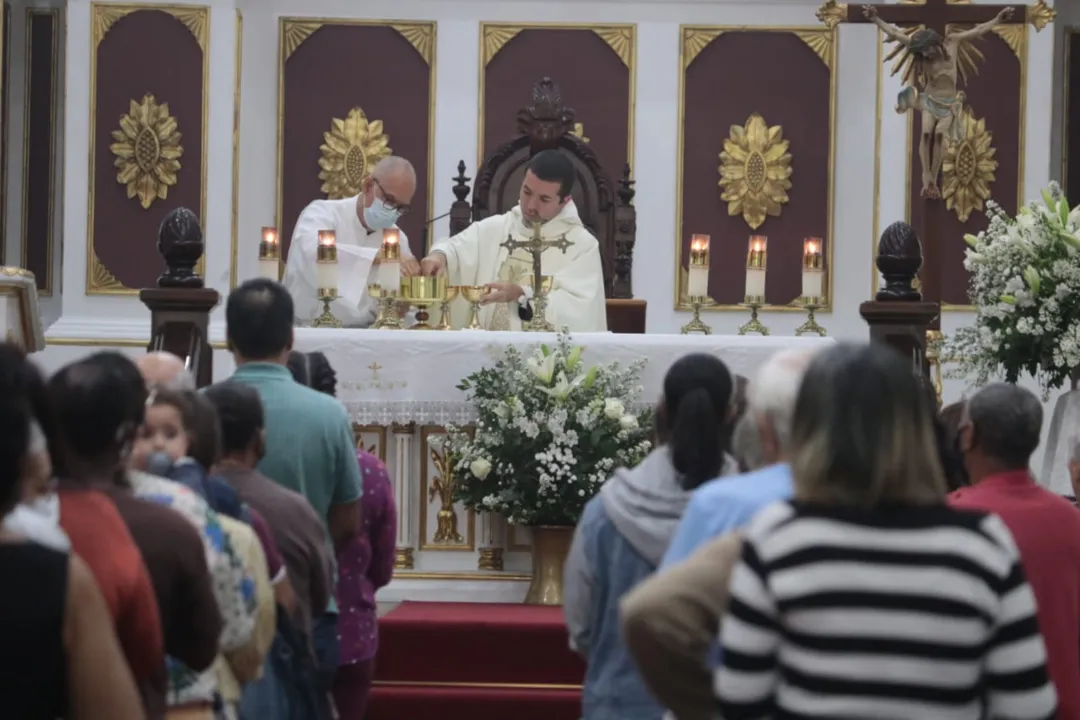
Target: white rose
[(613, 408), (628, 422), (480, 468)]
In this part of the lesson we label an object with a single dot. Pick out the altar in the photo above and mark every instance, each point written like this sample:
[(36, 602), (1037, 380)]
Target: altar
[(400, 389)]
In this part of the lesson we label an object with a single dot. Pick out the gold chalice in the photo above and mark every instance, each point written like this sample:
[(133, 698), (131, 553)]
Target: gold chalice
[(423, 292), (444, 308), (473, 294)]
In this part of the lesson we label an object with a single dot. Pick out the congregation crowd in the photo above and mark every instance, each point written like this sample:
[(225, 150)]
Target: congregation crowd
[(822, 542), (817, 542), (189, 555)]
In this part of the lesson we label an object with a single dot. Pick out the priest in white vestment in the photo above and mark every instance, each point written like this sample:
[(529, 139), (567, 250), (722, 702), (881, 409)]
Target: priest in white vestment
[(357, 223), (475, 256)]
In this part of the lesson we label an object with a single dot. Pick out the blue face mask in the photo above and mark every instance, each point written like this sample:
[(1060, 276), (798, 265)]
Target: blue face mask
[(380, 216)]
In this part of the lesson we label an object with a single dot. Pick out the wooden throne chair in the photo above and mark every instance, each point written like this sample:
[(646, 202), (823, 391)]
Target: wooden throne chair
[(606, 208)]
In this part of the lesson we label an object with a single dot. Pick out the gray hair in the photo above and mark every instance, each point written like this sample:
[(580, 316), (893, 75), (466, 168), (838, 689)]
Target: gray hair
[(746, 444), (1007, 422), (183, 381), (773, 392), (392, 166)]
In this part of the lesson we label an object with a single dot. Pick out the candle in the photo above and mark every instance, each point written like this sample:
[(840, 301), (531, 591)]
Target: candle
[(699, 266), (269, 254), (812, 272), (389, 272), (326, 263), (755, 268)]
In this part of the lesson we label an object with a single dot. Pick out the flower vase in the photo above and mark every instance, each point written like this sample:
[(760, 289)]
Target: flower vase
[(550, 546), (1064, 431)]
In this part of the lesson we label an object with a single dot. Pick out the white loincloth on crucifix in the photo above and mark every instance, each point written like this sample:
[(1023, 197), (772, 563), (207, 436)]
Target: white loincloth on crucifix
[(475, 256)]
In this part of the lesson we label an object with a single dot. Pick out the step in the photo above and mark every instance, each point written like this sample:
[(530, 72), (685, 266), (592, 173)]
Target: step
[(478, 643), (445, 702)]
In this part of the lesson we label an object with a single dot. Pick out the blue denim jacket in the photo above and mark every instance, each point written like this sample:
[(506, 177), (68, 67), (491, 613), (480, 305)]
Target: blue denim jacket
[(620, 539)]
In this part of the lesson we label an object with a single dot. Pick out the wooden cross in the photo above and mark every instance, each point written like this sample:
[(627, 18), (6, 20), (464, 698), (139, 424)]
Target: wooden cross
[(935, 15)]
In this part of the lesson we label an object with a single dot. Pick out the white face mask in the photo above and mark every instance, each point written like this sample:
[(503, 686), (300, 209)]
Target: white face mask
[(380, 216)]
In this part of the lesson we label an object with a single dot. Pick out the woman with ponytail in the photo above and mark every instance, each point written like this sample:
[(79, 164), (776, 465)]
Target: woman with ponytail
[(625, 530)]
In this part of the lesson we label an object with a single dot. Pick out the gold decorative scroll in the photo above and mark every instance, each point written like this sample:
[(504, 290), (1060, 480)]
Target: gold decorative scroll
[(694, 41), (1015, 36), (442, 486), (147, 150), (421, 36), (437, 483), (294, 33), (494, 39), (195, 19), (350, 150), (101, 280), (1040, 14), (755, 171), (968, 168), (832, 13), (821, 42), (619, 39)]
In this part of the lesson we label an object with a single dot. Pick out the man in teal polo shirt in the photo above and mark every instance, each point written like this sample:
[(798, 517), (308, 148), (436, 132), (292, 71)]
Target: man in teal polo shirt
[(309, 440)]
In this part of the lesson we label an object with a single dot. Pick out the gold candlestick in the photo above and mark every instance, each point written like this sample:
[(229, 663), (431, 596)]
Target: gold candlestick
[(754, 303), (810, 326), (696, 324), (326, 318)]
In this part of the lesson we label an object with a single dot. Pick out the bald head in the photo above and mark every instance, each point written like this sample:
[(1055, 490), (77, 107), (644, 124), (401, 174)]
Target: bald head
[(165, 370), (396, 177)]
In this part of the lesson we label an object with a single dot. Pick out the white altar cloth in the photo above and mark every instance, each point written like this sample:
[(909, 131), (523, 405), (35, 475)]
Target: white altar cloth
[(402, 376)]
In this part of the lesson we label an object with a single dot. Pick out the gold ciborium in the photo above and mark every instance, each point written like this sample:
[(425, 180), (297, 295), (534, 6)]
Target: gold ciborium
[(473, 294), (444, 308), (423, 292)]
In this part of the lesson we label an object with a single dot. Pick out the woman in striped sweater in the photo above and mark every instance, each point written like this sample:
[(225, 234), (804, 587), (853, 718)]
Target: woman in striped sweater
[(867, 596)]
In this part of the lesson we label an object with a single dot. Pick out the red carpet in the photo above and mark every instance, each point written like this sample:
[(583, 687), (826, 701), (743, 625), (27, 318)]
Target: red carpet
[(475, 661)]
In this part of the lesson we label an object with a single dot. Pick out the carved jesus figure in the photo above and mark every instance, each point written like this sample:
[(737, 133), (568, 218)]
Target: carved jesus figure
[(933, 73)]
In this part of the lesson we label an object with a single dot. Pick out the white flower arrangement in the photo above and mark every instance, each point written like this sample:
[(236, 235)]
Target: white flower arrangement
[(1025, 284), (549, 432)]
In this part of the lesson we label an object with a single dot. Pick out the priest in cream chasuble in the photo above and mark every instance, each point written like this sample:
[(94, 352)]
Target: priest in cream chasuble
[(476, 256)]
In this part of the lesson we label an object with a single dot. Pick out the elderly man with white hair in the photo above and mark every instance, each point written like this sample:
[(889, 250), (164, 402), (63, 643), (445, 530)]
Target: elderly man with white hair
[(670, 620), (165, 370)]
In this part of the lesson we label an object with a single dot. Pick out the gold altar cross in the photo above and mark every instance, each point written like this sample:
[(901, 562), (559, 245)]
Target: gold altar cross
[(536, 246)]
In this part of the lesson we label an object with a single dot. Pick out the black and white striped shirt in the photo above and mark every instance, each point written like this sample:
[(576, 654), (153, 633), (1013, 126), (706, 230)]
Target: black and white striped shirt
[(895, 613)]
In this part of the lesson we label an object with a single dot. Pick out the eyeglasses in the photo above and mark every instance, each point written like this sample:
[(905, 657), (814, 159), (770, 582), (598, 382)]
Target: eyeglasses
[(400, 207)]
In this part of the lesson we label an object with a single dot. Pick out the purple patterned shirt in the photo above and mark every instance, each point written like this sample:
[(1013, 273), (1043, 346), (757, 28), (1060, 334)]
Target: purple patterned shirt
[(366, 563)]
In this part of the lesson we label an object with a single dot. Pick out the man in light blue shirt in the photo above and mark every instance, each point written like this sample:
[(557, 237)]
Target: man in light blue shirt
[(727, 503)]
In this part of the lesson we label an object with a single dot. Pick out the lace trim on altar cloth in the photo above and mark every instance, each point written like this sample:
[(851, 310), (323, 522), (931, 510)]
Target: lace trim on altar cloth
[(420, 412)]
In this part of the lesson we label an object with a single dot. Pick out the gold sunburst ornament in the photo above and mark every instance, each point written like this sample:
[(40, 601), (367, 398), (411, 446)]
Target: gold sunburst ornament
[(968, 168), (755, 171), (350, 150), (147, 151)]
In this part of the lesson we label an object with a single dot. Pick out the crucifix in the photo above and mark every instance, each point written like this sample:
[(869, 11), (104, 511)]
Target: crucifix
[(937, 53), (536, 245)]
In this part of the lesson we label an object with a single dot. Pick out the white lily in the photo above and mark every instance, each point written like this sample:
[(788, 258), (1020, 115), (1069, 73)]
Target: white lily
[(562, 388), (543, 367)]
